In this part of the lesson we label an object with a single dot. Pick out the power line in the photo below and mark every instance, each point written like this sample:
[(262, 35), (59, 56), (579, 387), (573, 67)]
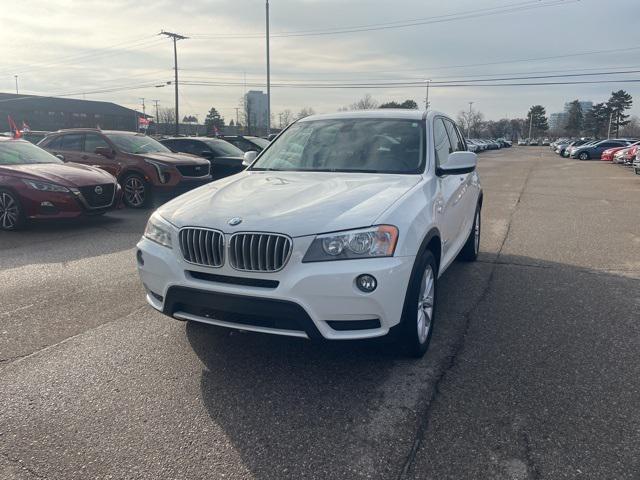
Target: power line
[(469, 14), (90, 56)]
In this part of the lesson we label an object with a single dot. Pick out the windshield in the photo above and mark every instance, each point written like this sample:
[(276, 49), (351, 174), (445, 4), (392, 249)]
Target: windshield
[(220, 147), (136, 143), (15, 152), (348, 145)]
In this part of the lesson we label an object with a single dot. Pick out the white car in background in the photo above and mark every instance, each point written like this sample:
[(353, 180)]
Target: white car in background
[(338, 230)]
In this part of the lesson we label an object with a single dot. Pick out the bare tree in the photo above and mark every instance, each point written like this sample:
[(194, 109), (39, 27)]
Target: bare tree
[(166, 115), (471, 122), (285, 118), (305, 112), (365, 103)]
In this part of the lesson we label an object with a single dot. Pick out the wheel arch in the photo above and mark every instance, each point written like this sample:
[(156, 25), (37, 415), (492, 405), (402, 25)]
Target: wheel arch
[(128, 170), (432, 242)]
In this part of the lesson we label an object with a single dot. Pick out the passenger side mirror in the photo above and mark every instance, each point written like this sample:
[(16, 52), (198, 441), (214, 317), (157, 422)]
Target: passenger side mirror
[(249, 157), (104, 151), (60, 156), (458, 163)]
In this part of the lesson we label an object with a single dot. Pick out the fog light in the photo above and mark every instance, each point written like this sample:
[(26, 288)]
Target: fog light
[(139, 258), (367, 283)]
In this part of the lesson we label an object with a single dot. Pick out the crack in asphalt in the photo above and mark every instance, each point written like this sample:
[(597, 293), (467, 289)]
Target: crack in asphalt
[(13, 360), (532, 467), (451, 361), (22, 465)]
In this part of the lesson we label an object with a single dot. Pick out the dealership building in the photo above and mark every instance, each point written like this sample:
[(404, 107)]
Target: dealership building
[(54, 113)]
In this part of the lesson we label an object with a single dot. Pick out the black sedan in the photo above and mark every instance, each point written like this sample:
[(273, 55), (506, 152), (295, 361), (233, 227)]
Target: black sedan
[(247, 143), (226, 159)]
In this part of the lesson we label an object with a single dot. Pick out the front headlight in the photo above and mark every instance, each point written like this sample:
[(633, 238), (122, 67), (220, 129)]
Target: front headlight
[(45, 187), (378, 241), (158, 231), (161, 169)]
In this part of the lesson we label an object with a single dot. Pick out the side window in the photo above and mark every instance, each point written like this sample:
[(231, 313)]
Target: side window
[(197, 147), (93, 141), (72, 142), (54, 144), (454, 137), (171, 145), (441, 142)]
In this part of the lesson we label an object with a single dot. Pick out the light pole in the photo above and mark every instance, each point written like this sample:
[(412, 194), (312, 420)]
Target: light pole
[(16, 77), (268, 75), (426, 103), (469, 121), (175, 38)]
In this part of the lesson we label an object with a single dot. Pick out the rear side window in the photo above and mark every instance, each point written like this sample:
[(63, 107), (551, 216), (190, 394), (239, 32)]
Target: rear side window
[(457, 144), (441, 142), (72, 142), (93, 141), (53, 144)]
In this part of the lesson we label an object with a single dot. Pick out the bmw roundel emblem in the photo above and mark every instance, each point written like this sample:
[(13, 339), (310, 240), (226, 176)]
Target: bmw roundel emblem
[(235, 221), (98, 190)]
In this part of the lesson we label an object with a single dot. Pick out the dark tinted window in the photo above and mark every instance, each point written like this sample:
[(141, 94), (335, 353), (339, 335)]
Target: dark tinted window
[(72, 142), (54, 144), (93, 141), (441, 142), (223, 148)]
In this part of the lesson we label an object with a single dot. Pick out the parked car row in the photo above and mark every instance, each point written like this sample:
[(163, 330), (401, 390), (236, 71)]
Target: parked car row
[(480, 145), (589, 149), (84, 171)]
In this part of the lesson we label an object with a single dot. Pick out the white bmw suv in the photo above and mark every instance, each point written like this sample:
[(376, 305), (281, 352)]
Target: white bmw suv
[(338, 230)]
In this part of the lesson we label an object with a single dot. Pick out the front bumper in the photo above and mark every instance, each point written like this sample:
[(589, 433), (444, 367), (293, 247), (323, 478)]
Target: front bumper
[(309, 300), (42, 205)]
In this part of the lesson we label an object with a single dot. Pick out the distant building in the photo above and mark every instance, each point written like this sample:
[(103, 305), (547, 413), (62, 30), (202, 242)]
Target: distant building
[(586, 105), (256, 109), (557, 121), (54, 113)]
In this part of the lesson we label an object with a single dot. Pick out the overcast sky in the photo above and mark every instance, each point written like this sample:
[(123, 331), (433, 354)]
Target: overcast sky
[(74, 46)]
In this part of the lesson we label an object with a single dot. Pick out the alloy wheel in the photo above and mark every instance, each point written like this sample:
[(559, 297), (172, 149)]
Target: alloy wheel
[(426, 297), (135, 191), (9, 211)]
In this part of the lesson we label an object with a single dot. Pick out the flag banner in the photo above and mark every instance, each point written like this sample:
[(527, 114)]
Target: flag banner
[(14, 128)]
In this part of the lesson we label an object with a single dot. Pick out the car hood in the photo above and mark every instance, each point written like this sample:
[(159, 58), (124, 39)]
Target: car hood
[(293, 203), (66, 174), (176, 158)]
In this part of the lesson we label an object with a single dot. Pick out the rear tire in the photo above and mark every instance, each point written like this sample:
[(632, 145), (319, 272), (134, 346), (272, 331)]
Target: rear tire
[(137, 191), (11, 212), (469, 252), (418, 313), (584, 156)]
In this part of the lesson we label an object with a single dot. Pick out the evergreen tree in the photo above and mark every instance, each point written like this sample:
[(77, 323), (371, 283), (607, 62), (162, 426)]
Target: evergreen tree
[(618, 103), (214, 119), (575, 119), (596, 121), (537, 118)]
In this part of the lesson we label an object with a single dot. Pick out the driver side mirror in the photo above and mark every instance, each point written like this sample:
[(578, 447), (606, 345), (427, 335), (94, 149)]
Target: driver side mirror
[(249, 157), (104, 151), (458, 163)]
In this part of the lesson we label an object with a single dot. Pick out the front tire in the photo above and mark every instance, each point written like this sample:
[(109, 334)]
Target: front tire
[(418, 314), (584, 156), (137, 192), (11, 212)]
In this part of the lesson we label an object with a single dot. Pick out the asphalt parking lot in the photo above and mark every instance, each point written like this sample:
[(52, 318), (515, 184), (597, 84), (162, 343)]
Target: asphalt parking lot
[(532, 373)]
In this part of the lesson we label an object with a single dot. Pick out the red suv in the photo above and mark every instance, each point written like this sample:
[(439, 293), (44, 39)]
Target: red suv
[(143, 166)]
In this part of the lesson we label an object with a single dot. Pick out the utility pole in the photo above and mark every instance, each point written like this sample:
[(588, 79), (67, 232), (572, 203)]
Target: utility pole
[(426, 103), (144, 108), (237, 115), (16, 77), (156, 104), (469, 121), (530, 124), (268, 75), (175, 38)]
